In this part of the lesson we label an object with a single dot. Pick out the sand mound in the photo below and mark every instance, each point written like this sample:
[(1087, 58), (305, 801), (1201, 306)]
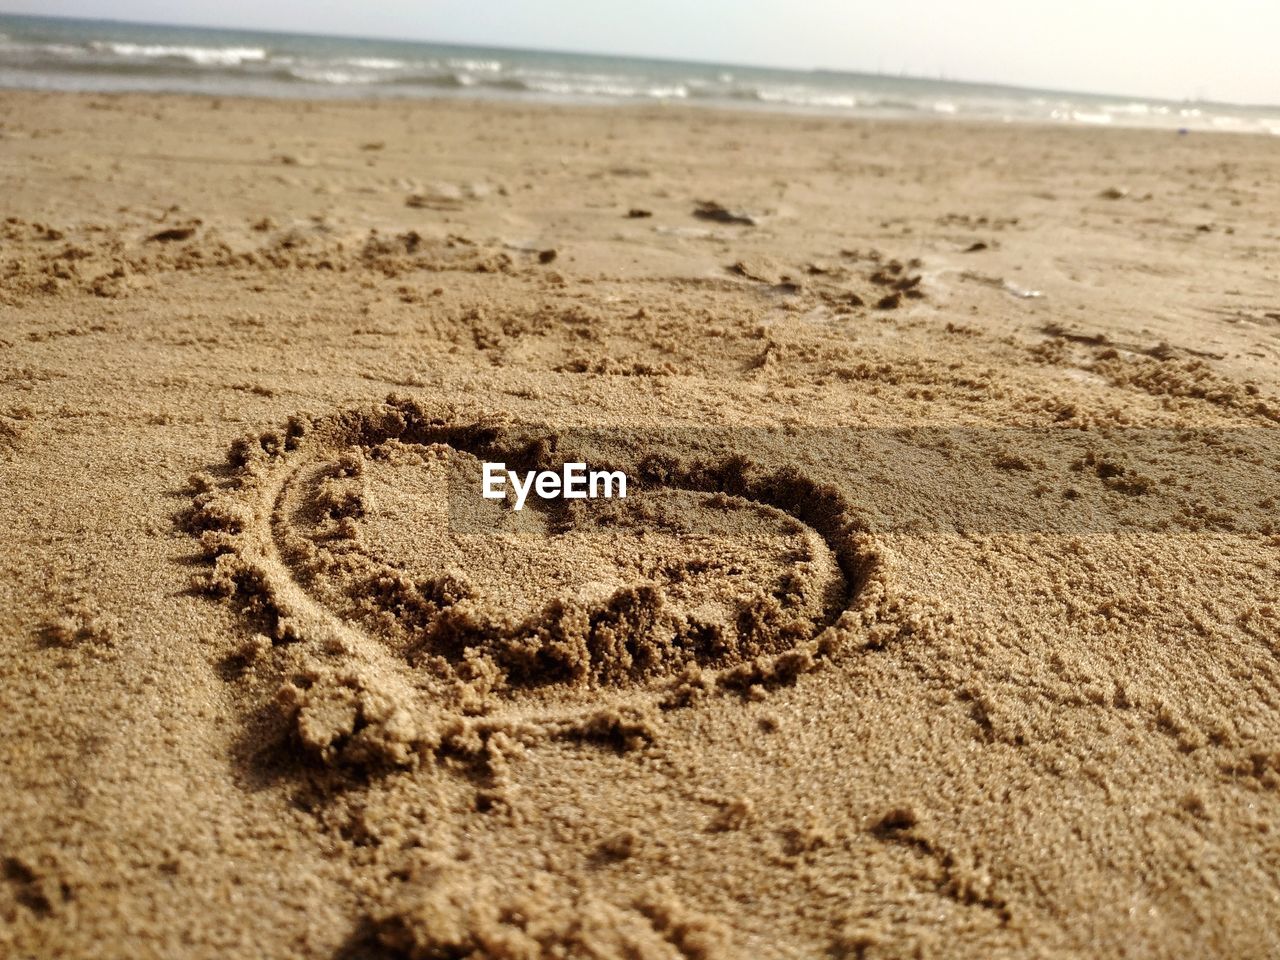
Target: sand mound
[(448, 912)]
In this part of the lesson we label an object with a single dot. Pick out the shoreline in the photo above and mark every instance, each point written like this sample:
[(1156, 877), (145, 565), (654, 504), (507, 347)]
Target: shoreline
[(69, 54), (535, 102)]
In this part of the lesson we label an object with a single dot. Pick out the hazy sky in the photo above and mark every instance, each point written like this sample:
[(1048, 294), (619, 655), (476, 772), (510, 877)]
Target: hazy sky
[(1219, 49)]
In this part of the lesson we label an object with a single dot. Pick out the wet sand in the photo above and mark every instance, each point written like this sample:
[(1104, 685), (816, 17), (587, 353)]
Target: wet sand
[(940, 618)]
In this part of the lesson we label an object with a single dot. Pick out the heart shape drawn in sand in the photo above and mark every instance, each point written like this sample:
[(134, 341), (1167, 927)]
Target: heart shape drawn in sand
[(396, 600)]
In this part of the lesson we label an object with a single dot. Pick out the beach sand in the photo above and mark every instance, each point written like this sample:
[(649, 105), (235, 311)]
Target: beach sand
[(940, 619)]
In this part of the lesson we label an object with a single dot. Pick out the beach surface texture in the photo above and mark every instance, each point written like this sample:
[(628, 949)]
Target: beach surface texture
[(940, 617)]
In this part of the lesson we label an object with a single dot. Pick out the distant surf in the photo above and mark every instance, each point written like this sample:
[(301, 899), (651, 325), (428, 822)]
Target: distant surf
[(107, 56)]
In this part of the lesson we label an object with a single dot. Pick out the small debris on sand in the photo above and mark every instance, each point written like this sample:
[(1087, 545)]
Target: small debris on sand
[(173, 233), (711, 210)]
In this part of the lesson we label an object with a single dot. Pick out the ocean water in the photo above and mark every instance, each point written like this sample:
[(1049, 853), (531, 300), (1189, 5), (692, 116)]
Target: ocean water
[(57, 54)]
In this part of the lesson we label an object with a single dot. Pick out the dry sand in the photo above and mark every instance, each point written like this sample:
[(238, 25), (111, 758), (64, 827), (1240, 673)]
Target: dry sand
[(941, 621)]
